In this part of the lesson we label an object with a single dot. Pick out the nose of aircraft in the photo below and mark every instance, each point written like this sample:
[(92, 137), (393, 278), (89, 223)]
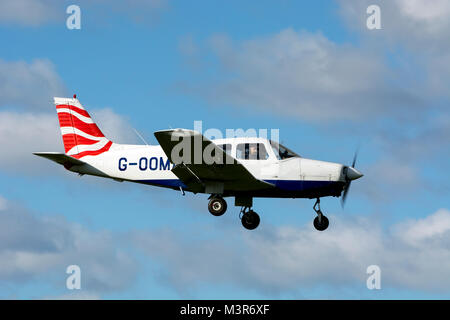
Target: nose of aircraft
[(353, 174)]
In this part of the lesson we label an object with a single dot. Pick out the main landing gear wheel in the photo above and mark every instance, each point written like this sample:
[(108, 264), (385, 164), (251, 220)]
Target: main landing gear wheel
[(250, 219), (320, 222), (217, 206)]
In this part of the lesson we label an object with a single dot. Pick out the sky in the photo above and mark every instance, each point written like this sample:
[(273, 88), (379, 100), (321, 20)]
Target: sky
[(313, 70)]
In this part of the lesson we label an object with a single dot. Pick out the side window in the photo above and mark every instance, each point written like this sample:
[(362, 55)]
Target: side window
[(251, 151), (225, 147), (240, 151)]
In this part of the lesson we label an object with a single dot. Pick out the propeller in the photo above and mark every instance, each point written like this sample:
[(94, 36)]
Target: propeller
[(350, 174)]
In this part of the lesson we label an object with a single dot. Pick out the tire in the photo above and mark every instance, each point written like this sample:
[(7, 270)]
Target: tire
[(250, 220), (217, 206), (321, 226)]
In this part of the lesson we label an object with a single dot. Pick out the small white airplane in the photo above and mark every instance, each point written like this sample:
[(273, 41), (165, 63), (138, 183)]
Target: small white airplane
[(243, 168)]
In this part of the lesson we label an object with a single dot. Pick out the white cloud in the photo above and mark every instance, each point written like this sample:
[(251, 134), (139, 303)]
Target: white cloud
[(425, 17), (3, 203), (411, 22), (413, 161), (41, 247), (419, 232), (307, 76), (425, 10), (389, 180), (431, 137), (28, 12), (422, 27), (29, 85), (412, 255), (22, 133)]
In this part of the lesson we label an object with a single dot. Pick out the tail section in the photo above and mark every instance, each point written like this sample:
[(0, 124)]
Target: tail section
[(81, 136)]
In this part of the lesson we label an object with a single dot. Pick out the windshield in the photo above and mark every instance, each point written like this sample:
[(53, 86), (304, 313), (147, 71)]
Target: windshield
[(281, 152)]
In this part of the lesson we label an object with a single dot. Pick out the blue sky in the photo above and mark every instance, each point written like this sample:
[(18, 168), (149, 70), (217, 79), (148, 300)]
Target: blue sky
[(310, 69)]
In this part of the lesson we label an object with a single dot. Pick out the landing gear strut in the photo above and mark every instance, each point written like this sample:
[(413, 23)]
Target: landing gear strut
[(249, 218), (320, 222), (217, 206)]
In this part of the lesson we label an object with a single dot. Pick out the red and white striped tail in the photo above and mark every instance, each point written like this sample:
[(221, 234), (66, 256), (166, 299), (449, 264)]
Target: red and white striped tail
[(80, 134)]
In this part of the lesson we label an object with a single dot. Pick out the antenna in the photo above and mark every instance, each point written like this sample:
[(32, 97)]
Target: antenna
[(139, 135)]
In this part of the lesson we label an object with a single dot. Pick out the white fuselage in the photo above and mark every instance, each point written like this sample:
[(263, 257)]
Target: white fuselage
[(293, 177)]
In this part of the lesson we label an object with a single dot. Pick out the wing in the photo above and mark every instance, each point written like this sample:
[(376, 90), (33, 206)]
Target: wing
[(203, 166)]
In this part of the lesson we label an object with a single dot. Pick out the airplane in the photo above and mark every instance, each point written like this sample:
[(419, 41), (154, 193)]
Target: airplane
[(185, 160)]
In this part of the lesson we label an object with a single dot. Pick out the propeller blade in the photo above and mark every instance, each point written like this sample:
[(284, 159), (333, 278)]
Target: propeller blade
[(353, 174), (344, 196), (355, 157)]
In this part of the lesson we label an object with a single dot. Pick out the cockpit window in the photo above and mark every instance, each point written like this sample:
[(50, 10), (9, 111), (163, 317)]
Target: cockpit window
[(251, 151), (281, 152)]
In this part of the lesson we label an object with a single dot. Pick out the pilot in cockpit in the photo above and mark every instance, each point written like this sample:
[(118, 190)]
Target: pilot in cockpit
[(252, 152)]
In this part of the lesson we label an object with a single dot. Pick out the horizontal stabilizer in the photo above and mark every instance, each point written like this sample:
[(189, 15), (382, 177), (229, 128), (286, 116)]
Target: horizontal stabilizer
[(72, 164), (61, 158)]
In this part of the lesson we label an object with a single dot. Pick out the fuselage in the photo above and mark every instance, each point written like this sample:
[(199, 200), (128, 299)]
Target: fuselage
[(293, 176)]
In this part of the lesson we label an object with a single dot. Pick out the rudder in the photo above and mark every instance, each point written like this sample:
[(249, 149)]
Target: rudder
[(81, 136)]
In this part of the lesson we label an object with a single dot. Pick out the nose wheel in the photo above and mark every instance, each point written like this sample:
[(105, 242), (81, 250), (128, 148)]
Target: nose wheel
[(321, 221), (249, 218)]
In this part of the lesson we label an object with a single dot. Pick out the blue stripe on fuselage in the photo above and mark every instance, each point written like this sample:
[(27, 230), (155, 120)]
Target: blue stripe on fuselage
[(173, 183), (299, 185), (287, 185)]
